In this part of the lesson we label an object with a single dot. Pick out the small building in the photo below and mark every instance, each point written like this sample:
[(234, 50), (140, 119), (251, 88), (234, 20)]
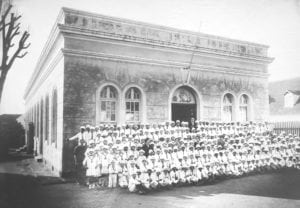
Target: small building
[(285, 100), (99, 69), (291, 98)]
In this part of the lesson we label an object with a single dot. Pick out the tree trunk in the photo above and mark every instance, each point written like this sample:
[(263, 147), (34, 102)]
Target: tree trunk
[(2, 81), (0, 6), (9, 30)]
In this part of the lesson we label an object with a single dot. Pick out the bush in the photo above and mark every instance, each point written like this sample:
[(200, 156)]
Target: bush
[(12, 135)]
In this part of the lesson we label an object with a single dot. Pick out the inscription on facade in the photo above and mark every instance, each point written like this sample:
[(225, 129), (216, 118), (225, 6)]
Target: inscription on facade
[(163, 35)]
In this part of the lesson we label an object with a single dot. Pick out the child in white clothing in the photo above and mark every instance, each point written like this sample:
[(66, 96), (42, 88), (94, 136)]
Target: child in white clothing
[(91, 162), (113, 174)]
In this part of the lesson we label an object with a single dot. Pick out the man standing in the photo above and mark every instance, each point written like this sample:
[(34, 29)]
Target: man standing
[(192, 124), (79, 154)]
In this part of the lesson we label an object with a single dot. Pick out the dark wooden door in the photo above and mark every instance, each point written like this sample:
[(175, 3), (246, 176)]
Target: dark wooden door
[(184, 112)]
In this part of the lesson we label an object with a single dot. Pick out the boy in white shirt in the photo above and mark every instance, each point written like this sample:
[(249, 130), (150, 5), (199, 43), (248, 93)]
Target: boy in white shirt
[(205, 175), (173, 177), (194, 176), (133, 182), (113, 174), (182, 178), (145, 180), (153, 180), (123, 175)]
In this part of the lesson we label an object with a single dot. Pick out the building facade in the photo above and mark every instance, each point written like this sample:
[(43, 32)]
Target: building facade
[(99, 69)]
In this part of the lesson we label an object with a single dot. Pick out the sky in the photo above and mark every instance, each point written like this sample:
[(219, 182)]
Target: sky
[(272, 22)]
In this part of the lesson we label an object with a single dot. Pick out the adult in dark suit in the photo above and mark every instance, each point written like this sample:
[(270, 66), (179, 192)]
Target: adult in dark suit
[(79, 154), (146, 147)]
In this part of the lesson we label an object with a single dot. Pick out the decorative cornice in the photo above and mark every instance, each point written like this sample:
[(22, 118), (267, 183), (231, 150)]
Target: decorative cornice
[(162, 63), (96, 16), (157, 33), (69, 30), (81, 35), (45, 52), (44, 76)]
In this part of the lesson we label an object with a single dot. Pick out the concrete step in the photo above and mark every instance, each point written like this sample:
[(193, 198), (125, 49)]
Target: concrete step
[(38, 158), (17, 150), (21, 149)]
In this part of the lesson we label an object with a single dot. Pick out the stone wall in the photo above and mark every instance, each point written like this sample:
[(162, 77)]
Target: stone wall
[(48, 76), (91, 62), (85, 75), (51, 152)]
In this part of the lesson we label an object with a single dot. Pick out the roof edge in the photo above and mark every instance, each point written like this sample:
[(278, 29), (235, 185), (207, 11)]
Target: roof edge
[(96, 15), (45, 51)]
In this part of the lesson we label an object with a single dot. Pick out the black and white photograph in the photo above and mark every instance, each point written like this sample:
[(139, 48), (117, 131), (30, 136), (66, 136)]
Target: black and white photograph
[(149, 104)]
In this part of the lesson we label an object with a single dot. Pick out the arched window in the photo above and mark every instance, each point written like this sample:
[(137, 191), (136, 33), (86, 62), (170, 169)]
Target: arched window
[(184, 104), (47, 118), (108, 100), (54, 118), (183, 96), (244, 101), (228, 107), (132, 101)]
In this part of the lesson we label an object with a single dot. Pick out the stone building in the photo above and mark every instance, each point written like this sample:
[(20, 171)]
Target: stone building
[(99, 69)]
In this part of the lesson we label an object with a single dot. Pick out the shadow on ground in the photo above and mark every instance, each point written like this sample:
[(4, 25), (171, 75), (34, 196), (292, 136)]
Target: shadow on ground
[(14, 157), (284, 184), (19, 191)]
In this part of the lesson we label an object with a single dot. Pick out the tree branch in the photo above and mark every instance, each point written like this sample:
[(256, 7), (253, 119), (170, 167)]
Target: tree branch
[(25, 47), (16, 32), (1, 27), (6, 12), (21, 47), (0, 6), (21, 56), (17, 17), (9, 29), (4, 49), (18, 25)]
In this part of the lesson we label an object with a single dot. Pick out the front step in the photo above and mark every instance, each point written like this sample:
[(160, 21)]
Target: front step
[(38, 158), (17, 150), (22, 149)]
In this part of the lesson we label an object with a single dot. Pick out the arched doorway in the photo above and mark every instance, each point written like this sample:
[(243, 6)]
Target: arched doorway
[(184, 104)]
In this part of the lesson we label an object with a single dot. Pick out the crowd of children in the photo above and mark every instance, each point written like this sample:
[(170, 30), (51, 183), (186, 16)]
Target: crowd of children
[(150, 157)]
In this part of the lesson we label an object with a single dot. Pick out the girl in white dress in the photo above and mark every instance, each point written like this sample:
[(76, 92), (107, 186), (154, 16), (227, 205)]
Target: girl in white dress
[(91, 163)]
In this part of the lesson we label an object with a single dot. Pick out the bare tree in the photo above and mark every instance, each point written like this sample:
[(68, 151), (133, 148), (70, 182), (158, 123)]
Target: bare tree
[(10, 30)]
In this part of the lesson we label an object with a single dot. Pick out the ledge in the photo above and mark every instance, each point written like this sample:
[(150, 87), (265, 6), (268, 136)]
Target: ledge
[(163, 63), (85, 34)]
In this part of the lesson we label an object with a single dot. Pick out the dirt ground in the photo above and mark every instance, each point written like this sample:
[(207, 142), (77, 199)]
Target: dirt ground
[(18, 189)]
